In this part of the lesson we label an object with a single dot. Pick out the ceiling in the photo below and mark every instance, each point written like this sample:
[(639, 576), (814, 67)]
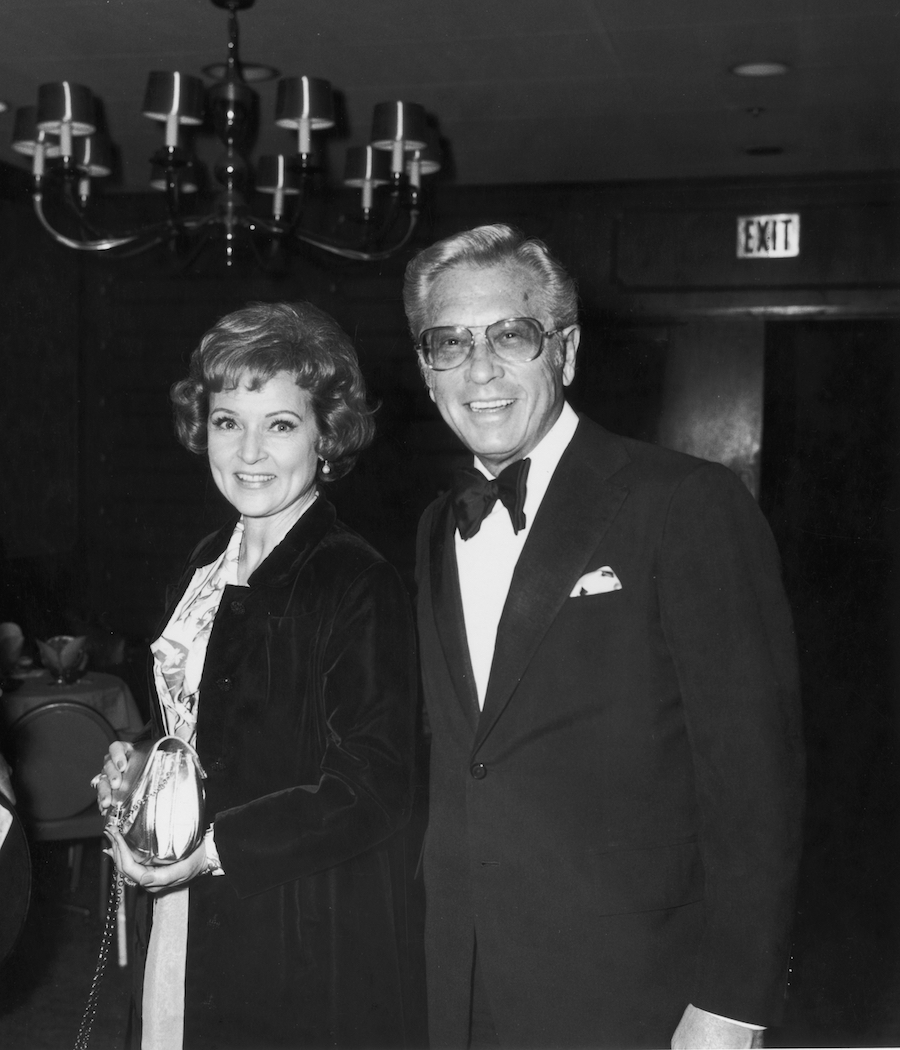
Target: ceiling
[(523, 91)]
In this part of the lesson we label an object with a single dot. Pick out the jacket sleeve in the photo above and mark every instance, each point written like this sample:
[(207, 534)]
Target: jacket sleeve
[(367, 681), (729, 630)]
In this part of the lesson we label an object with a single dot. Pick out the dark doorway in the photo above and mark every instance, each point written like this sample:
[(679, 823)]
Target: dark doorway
[(829, 489)]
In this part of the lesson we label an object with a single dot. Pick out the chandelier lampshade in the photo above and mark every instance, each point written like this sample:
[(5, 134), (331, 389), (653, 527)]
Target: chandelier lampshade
[(26, 136), (367, 168), (187, 179), (93, 155), (174, 99), (401, 128), (307, 104), (65, 104)]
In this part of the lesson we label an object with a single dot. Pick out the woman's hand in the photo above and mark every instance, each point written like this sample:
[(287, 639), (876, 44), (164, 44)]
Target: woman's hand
[(154, 878), (114, 766)]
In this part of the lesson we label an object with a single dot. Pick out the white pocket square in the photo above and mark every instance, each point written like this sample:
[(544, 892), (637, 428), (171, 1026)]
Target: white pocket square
[(597, 582)]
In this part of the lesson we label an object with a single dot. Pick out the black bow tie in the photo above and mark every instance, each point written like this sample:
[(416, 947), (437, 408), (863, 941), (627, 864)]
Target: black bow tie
[(474, 496)]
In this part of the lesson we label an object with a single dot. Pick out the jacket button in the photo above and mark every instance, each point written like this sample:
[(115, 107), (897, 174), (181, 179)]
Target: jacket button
[(224, 684), (237, 607), (479, 771)]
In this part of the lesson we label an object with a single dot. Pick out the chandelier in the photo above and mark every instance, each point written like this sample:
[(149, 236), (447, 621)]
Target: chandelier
[(69, 152)]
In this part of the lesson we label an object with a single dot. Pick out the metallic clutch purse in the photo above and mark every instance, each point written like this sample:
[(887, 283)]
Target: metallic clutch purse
[(158, 808)]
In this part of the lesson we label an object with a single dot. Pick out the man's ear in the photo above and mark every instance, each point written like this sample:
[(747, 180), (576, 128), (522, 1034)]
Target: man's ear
[(427, 377), (571, 339)]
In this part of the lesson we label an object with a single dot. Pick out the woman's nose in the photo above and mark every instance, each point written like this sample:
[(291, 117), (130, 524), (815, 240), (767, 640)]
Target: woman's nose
[(251, 449)]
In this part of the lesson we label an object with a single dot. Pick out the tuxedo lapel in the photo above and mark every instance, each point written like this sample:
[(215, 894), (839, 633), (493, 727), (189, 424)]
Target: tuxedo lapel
[(448, 612), (579, 505)]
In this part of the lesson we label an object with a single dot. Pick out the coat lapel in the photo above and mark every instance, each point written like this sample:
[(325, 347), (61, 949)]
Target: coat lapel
[(448, 611), (576, 511)]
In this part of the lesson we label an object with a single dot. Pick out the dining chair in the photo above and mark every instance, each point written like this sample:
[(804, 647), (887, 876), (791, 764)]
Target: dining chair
[(57, 748)]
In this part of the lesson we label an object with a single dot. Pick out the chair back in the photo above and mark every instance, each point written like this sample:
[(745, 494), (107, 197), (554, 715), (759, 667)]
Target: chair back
[(58, 748)]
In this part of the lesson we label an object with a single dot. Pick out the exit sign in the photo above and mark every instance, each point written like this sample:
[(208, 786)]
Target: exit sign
[(768, 236)]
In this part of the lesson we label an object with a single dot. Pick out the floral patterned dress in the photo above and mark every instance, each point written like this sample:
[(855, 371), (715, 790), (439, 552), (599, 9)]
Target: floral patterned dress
[(178, 657)]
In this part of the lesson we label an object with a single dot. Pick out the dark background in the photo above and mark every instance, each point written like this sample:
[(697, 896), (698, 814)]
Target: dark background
[(785, 369)]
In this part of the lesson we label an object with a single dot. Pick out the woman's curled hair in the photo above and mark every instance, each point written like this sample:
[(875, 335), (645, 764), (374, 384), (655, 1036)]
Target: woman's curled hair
[(263, 339)]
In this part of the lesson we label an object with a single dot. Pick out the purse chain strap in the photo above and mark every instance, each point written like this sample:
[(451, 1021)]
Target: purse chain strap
[(116, 890), (152, 793)]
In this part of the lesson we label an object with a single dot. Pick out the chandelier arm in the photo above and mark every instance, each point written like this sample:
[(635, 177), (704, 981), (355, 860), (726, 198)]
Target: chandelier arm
[(360, 256), (98, 245), (142, 240), (206, 225)]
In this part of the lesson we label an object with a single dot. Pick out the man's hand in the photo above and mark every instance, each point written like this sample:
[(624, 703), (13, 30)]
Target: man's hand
[(699, 1030), (154, 878)]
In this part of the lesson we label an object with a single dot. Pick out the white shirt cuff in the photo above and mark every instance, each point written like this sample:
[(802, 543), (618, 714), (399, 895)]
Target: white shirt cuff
[(741, 1024)]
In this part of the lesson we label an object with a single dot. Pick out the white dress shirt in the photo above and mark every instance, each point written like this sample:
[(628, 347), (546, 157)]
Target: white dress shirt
[(486, 562)]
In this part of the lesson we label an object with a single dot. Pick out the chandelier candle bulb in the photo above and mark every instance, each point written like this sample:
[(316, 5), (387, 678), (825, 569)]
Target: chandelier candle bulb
[(414, 170), (171, 131), (304, 136), (65, 139), (37, 166)]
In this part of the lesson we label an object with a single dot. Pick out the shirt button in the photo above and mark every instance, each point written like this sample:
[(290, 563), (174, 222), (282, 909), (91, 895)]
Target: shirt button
[(479, 771), (237, 607), (224, 684)]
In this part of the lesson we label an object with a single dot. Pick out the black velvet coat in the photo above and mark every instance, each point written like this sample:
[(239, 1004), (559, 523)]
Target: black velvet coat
[(620, 828), (306, 725)]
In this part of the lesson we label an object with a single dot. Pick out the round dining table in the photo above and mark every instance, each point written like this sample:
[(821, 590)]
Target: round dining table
[(106, 693)]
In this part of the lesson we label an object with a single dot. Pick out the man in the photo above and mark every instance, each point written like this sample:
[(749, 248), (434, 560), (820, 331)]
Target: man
[(610, 681)]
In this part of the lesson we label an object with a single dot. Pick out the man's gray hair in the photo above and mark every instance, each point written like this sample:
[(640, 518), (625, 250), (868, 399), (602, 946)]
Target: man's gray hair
[(488, 246)]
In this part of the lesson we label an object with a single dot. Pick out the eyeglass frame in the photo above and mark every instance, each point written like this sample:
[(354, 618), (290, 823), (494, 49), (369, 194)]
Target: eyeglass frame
[(484, 327)]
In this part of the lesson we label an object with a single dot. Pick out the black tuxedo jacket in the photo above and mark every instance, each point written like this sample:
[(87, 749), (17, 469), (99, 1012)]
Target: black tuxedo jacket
[(620, 827)]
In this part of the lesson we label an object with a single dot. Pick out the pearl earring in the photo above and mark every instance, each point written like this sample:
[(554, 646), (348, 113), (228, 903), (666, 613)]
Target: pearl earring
[(326, 467)]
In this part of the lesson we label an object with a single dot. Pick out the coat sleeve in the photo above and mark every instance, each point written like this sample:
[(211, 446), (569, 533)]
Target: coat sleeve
[(729, 630), (363, 795)]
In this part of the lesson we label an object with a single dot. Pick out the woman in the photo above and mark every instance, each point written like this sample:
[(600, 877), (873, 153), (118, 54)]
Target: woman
[(287, 658)]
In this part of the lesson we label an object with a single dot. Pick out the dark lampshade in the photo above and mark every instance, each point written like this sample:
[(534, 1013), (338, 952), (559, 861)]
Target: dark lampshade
[(186, 178), (174, 95), (93, 155), (304, 99), (25, 134), (366, 165), (399, 122), (273, 174), (425, 161), (64, 105)]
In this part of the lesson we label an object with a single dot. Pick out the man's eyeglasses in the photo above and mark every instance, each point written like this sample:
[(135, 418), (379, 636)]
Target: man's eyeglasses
[(516, 341)]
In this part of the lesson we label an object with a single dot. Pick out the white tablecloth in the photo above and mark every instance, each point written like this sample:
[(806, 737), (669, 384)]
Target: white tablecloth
[(106, 693)]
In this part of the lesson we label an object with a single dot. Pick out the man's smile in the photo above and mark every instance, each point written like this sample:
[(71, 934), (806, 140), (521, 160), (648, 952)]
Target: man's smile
[(490, 406)]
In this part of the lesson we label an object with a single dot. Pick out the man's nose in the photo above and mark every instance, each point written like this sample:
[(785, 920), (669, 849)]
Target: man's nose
[(484, 365)]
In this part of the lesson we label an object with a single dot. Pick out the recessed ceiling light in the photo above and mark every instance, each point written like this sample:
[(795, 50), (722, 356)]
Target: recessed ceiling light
[(760, 69), (3, 106)]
